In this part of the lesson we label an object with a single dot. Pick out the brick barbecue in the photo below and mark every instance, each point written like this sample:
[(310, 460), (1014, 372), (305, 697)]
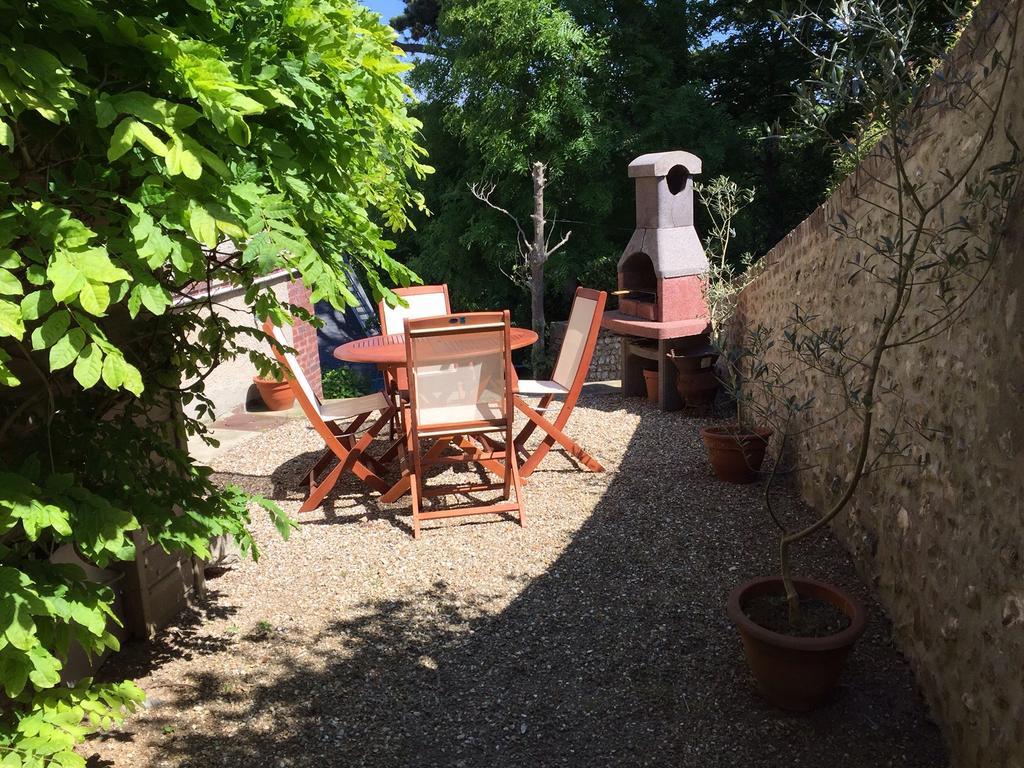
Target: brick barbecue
[(661, 275)]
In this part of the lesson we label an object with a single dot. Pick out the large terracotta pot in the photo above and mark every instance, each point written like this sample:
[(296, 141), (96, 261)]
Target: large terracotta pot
[(696, 382), (736, 455), (276, 395), (651, 380), (795, 673)]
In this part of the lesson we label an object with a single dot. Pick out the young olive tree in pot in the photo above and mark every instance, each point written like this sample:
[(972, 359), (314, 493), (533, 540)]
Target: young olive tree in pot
[(736, 451), (923, 244)]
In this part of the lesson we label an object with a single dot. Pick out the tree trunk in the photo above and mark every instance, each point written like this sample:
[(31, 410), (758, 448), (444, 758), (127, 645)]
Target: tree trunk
[(538, 255)]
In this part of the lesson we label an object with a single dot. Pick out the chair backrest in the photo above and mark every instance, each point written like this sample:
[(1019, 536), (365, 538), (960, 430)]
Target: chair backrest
[(580, 338), (423, 301), (300, 385), (460, 369)]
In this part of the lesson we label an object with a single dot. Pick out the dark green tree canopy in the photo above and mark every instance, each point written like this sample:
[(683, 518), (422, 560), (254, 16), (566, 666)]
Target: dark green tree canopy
[(715, 77)]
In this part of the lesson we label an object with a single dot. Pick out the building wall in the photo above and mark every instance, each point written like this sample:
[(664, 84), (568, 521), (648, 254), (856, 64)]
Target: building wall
[(942, 542), (304, 337), (230, 385), (605, 365)]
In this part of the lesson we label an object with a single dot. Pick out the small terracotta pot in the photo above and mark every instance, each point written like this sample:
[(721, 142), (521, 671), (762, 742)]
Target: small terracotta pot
[(651, 380), (795, 673), (276, 395), (736, 456), (695, 382)]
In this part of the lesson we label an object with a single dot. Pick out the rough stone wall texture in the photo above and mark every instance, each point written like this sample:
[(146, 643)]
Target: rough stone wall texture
[(605, 364), (943, 543)]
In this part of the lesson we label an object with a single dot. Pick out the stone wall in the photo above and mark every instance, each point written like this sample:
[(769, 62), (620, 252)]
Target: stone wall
[(942, 541), (605, 364)]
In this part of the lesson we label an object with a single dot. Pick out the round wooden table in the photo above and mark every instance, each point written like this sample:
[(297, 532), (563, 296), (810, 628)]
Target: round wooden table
[(389, 351)]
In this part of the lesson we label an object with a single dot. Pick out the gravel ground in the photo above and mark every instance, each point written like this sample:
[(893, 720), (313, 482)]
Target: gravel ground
[(596, 636)]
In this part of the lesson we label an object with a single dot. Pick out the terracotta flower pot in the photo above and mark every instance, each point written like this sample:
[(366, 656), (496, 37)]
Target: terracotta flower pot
[(795, 673), (651, 380), (696, 383), (276, 395), (736, 456)]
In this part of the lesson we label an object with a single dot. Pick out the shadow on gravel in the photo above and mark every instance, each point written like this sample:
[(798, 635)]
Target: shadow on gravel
[(619, 655)]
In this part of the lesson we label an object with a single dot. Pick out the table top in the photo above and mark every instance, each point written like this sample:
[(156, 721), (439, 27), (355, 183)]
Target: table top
[(390, 349)]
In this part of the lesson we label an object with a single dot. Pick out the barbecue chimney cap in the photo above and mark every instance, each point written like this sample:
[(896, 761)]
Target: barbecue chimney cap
[(660, 163)]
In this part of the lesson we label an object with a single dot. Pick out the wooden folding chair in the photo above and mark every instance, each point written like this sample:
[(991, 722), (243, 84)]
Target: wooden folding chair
[(423, 301), (567, 380), (460, 383), (340, 443)]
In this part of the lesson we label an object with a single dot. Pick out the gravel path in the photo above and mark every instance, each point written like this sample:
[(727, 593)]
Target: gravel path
[(596, 636)]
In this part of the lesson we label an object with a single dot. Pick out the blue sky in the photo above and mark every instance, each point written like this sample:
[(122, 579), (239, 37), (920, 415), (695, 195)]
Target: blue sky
[(386, 8)]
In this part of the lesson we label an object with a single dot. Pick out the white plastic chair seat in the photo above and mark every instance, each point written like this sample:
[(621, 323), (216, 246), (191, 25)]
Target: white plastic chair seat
[(350, 407), (540, 388)]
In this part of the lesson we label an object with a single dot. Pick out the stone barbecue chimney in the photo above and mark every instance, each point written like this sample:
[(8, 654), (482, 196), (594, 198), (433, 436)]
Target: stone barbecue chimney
[(662, 267), (661, 274)]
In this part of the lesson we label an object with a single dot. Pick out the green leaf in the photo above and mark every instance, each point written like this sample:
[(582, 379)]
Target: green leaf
[(7, 377), (6, 135), (96, 265), (94, 298), (202, 225), (149, 140), (47, 334), (64, 352), (21, 629), (14, 669), (181, 159), (122, 139), (45, 668), (155, 111), (238, 131), (89, 366), (133, 379), (66, 277), (154, 297), (11, 323), (37, 304), (105, 113), (113, 369), (9, 284)]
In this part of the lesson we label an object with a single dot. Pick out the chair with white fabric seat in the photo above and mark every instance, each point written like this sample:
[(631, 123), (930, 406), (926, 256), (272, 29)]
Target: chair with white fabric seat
[(340, 442), (460, 384), (420, 300), (566, 381)]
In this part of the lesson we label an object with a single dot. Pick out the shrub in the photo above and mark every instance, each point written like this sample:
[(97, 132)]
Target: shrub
[(143, 138), (345, 382)]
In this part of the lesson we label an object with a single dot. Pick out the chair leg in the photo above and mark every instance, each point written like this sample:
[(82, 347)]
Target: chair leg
[(402, 486), (517, 483), (317, 493), (507, 479), (414, 492), (554, 434), (529, 426)]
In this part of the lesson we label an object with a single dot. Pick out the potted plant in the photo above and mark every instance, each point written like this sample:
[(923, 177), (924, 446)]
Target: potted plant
[(651, 382), (913, 255), (696, 379), (276, 393), (735, 450)]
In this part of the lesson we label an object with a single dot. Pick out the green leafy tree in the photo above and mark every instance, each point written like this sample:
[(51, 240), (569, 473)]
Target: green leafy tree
[(513, 80), (151, 145), (714, 77)]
